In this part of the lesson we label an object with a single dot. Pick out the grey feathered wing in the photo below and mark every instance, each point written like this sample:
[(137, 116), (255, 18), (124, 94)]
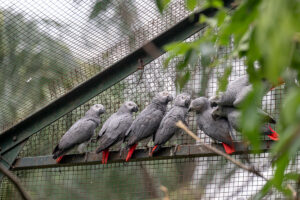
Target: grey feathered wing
[(79, 132), (115, 131), (167, 127), (106, 124), (144, 125)]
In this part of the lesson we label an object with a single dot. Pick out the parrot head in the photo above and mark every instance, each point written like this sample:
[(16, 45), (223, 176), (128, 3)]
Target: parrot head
[(217, 112), (97, 109), (199, 105), (183, 100), (131, 106), (163, 97), (214, 100)]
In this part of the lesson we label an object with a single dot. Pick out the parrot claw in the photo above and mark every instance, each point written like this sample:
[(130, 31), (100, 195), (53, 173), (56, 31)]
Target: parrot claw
[(171, 152), (94, 140), (85, 156), (121, 152), (149, 151), (176, 149)]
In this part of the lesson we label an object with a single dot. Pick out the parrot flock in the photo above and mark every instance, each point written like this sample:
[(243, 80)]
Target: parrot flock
[(217, 117)]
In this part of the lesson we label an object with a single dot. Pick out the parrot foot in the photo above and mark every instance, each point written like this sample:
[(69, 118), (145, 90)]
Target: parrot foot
[(121, 152), (173, 152), (86, 156), (94, 140), (150, 151), (176, 149)]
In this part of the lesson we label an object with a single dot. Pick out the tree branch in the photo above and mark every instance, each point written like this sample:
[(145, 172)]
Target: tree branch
[(211, 148), (181, 125), (16, 182)]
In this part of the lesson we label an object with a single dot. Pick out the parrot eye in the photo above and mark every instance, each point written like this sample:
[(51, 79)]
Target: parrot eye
[(130, 104)]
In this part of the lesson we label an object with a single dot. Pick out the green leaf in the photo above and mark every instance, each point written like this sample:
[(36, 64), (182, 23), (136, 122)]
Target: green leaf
[(216, 3), (213, 3), (292, 176), (221, 15), (290, 112), (178, 48), (264, 191), (182, 80), (251, 121), (99, 7), (167, 61), (281, 165), (191, 4), (185, 62), (162, 4), (223, 80)]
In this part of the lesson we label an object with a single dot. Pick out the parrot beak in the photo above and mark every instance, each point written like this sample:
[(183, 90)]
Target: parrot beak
[(190, 109), (135, 109), (170, 98), (187, 102), (213, 104)]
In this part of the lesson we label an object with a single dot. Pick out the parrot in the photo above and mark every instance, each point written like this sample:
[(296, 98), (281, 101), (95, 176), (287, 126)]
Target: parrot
[(147, 122), (80, 132), (237, 91), (218, 129), (167, 127), (114, 128), (234, 114)]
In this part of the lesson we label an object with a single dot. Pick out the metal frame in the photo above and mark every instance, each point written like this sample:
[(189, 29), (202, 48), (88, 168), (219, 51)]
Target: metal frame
[(11, 140), (183, 151)]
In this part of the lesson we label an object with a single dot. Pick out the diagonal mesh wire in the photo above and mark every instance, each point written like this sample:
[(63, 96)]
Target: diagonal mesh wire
[(59, 47)]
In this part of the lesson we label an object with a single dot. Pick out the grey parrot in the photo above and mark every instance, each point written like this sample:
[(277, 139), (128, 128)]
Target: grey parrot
[(234, 115), (167, 127), (217, 129), (80, 132), (238, 89), (235, 93), (147, 122), (114, 128)]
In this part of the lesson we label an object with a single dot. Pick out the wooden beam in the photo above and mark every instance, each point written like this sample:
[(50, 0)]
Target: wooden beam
[(183, 151)]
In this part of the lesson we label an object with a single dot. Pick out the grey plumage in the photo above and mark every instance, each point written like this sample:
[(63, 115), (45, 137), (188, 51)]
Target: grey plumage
[(115, 127), (217, 129), (237, 91), (234, 115), (147, 122), (167, 127), (80, 132)]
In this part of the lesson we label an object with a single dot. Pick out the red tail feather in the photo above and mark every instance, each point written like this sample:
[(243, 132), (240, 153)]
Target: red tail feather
[(106, 156), (103, 157), (153, 149), (59, 159), (228, 149), (274, 135), (130, 152)]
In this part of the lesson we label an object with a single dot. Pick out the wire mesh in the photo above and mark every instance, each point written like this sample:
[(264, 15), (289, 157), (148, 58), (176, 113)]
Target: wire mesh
[(56, 46), (188, 178)]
